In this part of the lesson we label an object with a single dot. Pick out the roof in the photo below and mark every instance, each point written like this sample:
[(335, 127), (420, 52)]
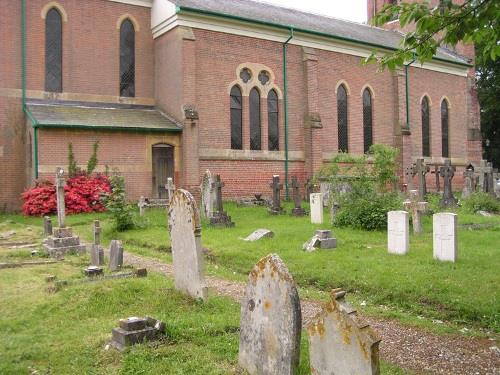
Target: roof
[(306, 22), (78, 115)]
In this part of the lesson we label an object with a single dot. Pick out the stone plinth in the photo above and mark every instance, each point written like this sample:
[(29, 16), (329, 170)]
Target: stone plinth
[(93, 271), (135, 330), (63, 242), (322, 239)]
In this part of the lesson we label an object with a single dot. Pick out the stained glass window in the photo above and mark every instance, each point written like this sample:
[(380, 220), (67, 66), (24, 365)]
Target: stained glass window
[(343, 138), (367, 120), (426, 137), (53, 51), (255, 141), (272, 120), (236, 118), (127, 59)]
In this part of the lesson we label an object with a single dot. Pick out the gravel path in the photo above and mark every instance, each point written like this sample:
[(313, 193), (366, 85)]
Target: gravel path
[(407, 347)]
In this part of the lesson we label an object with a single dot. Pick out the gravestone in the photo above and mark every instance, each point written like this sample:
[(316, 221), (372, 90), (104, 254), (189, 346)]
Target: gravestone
[(308, 189), (398, 232), (142, 204), (93, 271), (325, 189), (436, 174), (62, 241), (170, 188), (491, 180), (115, 255), (96, 251), (208, 195), (276, 205), (322, 239), (185, 235), (447, 172), (416, 209), (47, 226), (270, 325), (219, 217), (421, 169), (445, 244), (258, 234), (136, 330), (409, 174), (484, 171), (340, 344), (316, 203), (297, 199), (469, 182), (497, 185)]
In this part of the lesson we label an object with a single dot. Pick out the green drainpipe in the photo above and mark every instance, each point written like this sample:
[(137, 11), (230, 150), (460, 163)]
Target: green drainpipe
[(285, 98), (407, 89)]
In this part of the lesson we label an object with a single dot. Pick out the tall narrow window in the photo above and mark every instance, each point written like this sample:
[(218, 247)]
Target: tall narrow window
[(342, 119), (53, 51), (255, 142), (127, 59), (236, 119), (272, 120), (445, 130), (367, 120), (426, 137)]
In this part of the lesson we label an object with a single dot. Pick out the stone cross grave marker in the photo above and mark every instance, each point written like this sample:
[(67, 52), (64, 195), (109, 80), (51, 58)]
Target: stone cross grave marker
[(297, 199), (469, 182), (416, 209), (436, 174), (208, 195), (277, 187), (398, 232), (339, 343), (445, 244), (47, 226), (270, 324), (170, 187), (409, 174), (115, 255), (61, 207), (447, 172), (219, 217), (316, 203), (185, 234), (421, 169), (96, 251)]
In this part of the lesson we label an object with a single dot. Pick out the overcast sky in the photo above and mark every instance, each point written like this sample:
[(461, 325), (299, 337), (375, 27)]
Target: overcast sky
[(352, 10)]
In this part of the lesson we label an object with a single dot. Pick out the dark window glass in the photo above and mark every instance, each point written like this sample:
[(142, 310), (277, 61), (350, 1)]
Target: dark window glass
[(272, 120), (367, 120), (236, 119), (445, 130), (426, 138), (127, 59), (264, 77), (53, 51), (342, 119), (255, 143), (245, 75)]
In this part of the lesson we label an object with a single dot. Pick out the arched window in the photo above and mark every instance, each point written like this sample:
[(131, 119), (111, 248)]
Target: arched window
[(445, 130), (272, 120), (367, 120), (53, 51), (426, 137), (342, 119), (236, 119), (255, 142), (127, 59)]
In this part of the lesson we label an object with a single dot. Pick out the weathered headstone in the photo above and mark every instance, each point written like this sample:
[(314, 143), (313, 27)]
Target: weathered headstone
[(398, 232), (208, 195), (93, 271), (436, 174), (325, 189), (491, 180), (47, 226), (219, 217), (339, 343), (445, 242), (447, 172), (185, 235), (409, 174), (276, 205), (170, 188), (135, 330), (416, 209), (115, 255), (469, 182), (258, 234), (322, 239), (142, 204), (61, 206), (96, 251), (270, 325), (484, 171), (297, 199), (316, 204), (308, 189), (421, 169)]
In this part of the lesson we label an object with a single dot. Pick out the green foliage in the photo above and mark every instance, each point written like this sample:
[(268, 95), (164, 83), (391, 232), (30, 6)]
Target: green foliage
[(480, 201), (92, 163), (116, 204), (475, 21), (72, 168), (384, 166)]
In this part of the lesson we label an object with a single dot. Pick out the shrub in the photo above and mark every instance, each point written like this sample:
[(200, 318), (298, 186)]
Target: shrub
[(480, 201), (116, 204)]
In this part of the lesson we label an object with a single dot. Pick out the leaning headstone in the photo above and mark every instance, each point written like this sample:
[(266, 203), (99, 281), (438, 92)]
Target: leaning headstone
[(421, 169), (135, 330), (47, 226), (445, 242), (115, 255), (219, 217), (258, 234), (276, 208), (322, 239), (416, 209), (447, 172), (297, 199), (185, 235), (469, 182), (170, 188), (96, 251), (398, 232), (316, 208), (339, 343), (208, 195), (270, 323)]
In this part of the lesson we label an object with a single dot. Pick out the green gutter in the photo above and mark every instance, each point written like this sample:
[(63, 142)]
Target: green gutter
[(38, 125), (285, 98), (182, 9)]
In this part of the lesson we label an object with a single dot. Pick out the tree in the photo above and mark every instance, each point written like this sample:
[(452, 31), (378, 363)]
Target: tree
[(475, 21)]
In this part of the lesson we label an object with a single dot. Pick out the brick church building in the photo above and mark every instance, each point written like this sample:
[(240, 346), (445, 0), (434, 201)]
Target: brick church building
[(245, 89)]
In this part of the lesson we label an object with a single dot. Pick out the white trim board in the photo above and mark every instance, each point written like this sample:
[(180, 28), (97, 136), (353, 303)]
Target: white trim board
[(140, 3)]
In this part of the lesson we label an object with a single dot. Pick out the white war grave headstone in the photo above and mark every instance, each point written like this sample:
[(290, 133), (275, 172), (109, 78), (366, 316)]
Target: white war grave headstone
[(316, 202), (445, 241), (398, 232)]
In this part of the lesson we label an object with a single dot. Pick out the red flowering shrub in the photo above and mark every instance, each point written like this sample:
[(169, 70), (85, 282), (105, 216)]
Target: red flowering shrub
[(81, 194)]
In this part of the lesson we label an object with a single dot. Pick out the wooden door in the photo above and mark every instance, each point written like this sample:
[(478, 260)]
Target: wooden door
[(163, 168)]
